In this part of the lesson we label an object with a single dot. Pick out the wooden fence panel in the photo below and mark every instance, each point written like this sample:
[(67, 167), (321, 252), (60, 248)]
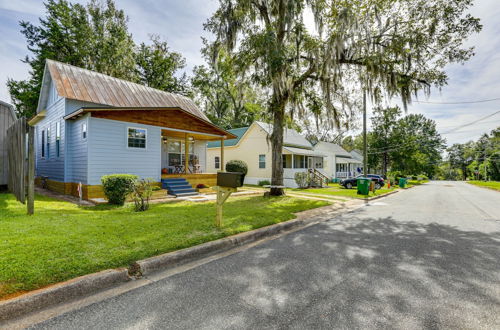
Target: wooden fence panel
[(16, 147)]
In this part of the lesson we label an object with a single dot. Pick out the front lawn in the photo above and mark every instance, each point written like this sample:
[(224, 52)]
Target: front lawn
[(62, 240), (495, 185), (334, 189)]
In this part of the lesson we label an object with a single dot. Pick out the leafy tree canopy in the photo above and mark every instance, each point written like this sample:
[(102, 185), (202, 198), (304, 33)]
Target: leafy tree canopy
[(477, 159), (385, 47), (227, 98), (93, 36)]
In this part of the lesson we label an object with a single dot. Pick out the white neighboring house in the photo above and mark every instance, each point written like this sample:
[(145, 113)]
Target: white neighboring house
[(253, 146), (340, 163)]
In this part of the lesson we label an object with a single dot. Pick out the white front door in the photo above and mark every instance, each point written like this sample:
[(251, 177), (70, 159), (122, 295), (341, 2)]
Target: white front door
[(310, 162)]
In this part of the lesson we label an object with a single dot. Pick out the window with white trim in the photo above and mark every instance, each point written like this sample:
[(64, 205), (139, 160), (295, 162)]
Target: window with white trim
[(262, 161), (217, 162), (58, 139), (48, 142), (84, 130), (137, 138), (43, 143)]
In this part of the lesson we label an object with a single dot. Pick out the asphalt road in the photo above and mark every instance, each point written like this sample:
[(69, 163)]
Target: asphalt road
[(428, 257)]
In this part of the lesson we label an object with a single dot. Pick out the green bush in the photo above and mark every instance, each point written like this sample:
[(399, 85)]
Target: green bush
[(117, 186), (302, 179), (237, 166), (141, 193), (264, 183)]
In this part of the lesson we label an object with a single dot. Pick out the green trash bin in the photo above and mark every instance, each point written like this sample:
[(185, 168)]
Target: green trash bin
[(363, 185), (402, 182)]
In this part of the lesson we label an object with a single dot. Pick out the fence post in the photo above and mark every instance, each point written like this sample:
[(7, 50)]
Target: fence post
[(31, 170)]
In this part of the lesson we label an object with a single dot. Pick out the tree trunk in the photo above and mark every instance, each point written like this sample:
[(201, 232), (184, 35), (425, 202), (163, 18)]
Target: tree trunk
[(278, 109)]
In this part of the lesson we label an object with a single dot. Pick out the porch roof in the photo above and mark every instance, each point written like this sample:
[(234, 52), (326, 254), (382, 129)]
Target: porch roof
[(171, 119), (303, 152)]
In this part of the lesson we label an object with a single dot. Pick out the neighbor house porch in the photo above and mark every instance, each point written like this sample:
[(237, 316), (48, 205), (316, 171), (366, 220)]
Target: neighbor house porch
[(300, 160)]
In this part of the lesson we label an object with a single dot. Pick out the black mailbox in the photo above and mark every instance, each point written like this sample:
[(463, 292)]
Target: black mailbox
[(230, 179)]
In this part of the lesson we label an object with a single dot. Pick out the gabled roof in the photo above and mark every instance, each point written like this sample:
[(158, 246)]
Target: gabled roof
[(357, 154), (334, 148), (10, 107), (239, 132), (84, 85), (290, 137)]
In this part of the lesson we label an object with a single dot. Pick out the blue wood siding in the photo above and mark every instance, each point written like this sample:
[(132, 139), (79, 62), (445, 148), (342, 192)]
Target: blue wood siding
[(109, 154), (73, 105), (77, 162), (51, 165)]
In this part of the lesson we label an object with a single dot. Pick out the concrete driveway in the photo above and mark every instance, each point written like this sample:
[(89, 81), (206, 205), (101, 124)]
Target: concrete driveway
[(428, 257)]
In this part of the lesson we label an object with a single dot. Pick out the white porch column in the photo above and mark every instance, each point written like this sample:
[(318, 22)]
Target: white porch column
[(222, 154), (186, 154)]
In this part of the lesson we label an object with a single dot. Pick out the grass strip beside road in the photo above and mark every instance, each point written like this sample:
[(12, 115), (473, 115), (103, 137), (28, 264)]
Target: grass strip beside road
[(335, 189), (62, 240), (495, 185)]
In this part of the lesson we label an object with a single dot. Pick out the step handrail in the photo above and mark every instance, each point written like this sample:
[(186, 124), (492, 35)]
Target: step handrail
[(317, 174)]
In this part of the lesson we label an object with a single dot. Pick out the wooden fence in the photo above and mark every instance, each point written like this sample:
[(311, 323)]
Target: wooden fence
[(21, 155)]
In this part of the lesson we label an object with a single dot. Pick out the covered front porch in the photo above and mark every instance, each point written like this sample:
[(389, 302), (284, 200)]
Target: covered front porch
[(347, 168), (184, 161), (297, 160)]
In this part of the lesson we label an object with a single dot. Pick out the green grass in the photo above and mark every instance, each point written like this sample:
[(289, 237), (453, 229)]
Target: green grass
[(335, 189), (495, 185), (62, 240), (412, 183)]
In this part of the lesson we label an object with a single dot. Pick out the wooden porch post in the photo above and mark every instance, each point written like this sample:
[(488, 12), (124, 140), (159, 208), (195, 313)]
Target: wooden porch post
[(186, 154), (222, 154)]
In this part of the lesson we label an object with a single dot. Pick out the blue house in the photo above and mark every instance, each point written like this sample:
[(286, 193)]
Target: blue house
[(89, 125)]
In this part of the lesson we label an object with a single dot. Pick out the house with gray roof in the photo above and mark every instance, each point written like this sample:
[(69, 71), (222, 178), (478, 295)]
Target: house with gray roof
[(340, 164), (253, 146)]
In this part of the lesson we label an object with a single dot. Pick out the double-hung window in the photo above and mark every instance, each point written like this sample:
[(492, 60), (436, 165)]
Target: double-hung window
[(48, 142), (137, 138), (217, 162), (84, 130), (43, 143), (177, 152), (262, 161), (58, 139)]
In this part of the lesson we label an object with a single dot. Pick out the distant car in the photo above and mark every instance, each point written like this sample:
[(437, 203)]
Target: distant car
[(352, 182)]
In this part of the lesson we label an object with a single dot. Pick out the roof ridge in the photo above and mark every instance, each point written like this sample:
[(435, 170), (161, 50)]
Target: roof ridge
[(121, 79)]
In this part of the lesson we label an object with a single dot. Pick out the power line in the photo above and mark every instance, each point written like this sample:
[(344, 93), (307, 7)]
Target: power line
[(472, 123), (463, 102), (399, 146)]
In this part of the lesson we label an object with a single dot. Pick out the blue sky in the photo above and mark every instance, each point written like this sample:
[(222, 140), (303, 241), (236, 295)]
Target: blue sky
[(181, 24)]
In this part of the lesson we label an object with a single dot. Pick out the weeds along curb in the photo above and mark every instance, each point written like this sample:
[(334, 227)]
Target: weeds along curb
[(61, 292)]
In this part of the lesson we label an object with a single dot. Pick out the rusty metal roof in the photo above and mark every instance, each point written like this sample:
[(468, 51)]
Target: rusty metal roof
[(84, 85)]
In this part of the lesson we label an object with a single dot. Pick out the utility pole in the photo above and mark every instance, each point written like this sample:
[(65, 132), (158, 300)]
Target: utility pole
[(365, 144)]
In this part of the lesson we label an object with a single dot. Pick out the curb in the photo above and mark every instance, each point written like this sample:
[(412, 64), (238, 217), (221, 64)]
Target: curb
[(89, 284), (385, 195), (61, 292), (175, 258)]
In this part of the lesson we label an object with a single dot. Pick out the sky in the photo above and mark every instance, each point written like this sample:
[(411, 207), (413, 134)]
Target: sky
[(180, 23)]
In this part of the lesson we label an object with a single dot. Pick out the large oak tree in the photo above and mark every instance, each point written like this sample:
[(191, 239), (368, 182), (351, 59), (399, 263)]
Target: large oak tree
[(384, 47)]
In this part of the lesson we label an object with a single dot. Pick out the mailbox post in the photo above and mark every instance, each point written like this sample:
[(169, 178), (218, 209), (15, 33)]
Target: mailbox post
[(227, 182)]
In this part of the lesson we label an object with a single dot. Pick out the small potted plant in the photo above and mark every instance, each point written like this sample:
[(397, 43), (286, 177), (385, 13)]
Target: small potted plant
[(201, 188)]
